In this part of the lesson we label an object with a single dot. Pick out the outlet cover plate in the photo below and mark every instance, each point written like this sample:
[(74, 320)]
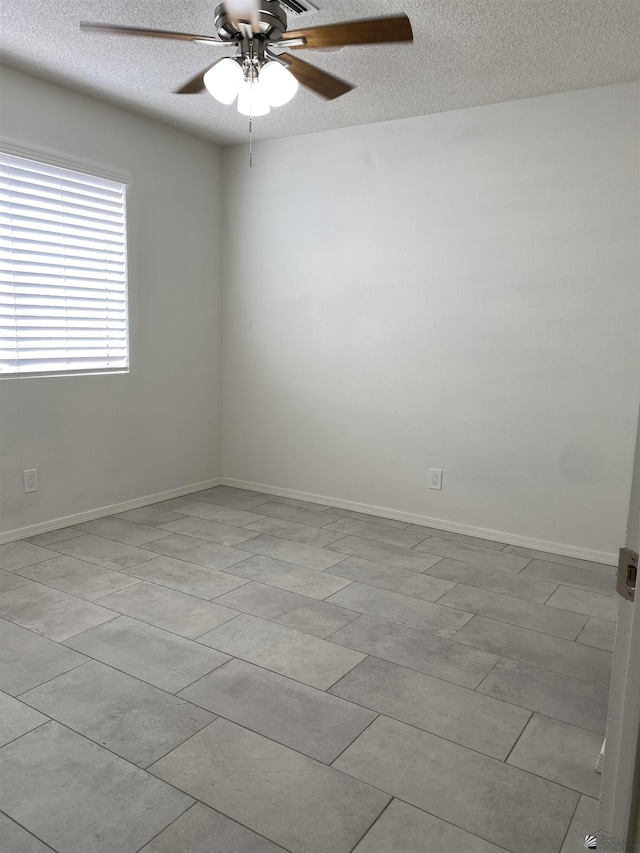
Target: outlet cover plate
[(30, 479), (435, 478)]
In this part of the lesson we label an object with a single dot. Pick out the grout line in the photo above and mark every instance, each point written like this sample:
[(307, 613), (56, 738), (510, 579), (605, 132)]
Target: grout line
[(512, 624), (418, 728), (30, 731), (53, 678), (368, 830), (182, 814), (17, 823), (484, 677), (448, 822), (573, 815), (517, 740), (350, 744)]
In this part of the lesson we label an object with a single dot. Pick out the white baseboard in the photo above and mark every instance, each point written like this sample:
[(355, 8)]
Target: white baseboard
[(593, 556), (101, 512)]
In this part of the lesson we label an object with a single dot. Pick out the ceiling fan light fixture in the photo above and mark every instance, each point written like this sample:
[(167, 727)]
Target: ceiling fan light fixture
[(253, 99), (280, 84), (224, 80)]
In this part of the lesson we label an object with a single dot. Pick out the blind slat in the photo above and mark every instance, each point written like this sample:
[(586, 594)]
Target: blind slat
[(63, 270)]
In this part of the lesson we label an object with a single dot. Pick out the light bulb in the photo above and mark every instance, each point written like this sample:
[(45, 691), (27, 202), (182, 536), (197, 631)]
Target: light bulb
[(224, 80), (280, 83), (252, 99)]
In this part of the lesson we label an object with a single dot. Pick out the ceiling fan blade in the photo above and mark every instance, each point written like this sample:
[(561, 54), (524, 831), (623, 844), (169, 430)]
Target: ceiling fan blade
[(371, 31), (108, 29), (324, 84), (196, 84)]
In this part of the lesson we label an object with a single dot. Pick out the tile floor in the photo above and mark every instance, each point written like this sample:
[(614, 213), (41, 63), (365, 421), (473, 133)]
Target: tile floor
[(233, 672)]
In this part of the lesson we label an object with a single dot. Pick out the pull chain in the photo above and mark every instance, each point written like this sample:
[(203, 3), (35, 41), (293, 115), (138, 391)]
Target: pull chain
[(251, 110)]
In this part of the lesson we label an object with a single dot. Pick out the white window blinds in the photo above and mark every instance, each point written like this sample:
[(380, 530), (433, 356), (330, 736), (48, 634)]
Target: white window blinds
[(63, 270)]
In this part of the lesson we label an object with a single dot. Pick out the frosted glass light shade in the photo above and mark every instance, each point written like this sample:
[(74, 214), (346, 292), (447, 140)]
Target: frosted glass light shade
[(252, 99), (224, 80), (280, 84)]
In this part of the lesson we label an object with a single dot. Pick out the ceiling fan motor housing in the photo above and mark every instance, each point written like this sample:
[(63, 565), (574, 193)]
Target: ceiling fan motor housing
[(269, 22)]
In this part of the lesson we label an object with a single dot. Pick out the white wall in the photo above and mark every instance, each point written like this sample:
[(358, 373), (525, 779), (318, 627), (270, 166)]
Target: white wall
[(103, 440), (456, 291)]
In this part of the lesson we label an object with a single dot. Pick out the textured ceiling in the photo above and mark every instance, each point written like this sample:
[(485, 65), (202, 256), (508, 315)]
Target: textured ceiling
[(466, 53)]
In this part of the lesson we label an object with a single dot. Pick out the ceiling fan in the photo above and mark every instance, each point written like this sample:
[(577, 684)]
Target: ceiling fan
[(257, 75)]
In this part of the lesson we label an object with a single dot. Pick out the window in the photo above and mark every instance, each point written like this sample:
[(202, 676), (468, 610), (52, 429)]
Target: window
[(63, 271)]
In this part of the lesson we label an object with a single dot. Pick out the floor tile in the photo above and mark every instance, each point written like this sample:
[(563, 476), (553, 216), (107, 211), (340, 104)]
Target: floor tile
[(77, 577), (572, 576), (560, 752), (548, 693), (103, 552), (16, 718), (76, 796), (15, 839), (417, 650), (212, 531), (293, 800), (553, 653), (378, 532), (125, 715), (515, 611), (208, 554), (222, 514), (471, 554), (311, 517), (307, 720), (494, 580), (444, 709), (27, 659), (587, 603), (462, 538), (49, 612), (395, 580), (186, 577), (318, 507), (585, 822), (153, 515), (479, 794), (16, 555), (247, 493), (54, 536), (241, 503), (150, 654), (381, 552), (311, 660), (374, 519), (201, 830), (169, 609), (287, 576), (287, 608), (10, 580), (304, 533), (598, 633), (559, 558), (174, 503), (128, 532), (405, 829), (401, 609), (292, 552)]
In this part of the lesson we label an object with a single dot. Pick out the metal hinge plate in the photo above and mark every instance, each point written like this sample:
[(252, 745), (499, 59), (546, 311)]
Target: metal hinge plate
[(627, 574)]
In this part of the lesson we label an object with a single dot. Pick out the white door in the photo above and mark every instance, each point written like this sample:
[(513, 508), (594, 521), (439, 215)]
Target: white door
[(619, 819)]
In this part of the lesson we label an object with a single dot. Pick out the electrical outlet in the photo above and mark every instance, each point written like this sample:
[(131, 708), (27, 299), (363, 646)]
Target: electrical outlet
[(435, 478), (30, 479)]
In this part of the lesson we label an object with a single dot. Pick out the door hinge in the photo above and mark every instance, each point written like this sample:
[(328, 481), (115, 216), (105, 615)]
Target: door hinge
[(627, 574)]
